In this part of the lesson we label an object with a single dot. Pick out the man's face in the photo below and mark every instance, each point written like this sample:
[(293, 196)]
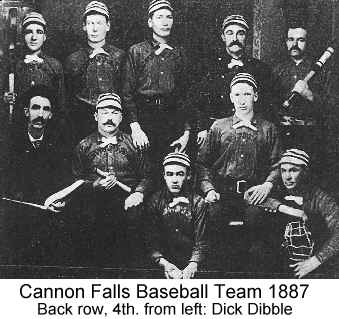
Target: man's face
[(234, 37), (296, 42), (39, 112), (175, 175), (96, 26), (291, 175), (108, 120), (161, 23), (243, 97), (34, 35)]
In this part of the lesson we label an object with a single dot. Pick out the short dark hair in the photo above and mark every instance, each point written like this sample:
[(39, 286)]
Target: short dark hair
[(39, 90)]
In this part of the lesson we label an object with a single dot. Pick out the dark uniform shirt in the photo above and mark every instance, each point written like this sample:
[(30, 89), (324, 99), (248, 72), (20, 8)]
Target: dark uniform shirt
[(129, 165), (150, 75), (211, 98), (177, 233), (240, 153), (48, 73), (323, 218), (287, 74), (87, 78)]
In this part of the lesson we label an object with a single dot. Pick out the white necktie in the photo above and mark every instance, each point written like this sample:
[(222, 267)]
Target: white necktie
[(235, 62), (297, 199), (162, 47), (244, 123), (31, 58), (108, 140), (98, 51)]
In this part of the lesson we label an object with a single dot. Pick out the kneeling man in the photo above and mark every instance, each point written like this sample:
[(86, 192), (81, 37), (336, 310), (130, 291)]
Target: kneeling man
[(176, 221)]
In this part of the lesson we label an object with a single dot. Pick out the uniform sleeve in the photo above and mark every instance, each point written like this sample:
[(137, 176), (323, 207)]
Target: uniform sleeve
[(129, 84), (206, 158), (152, 229), (144, 173), (200, 247), (274, 153), (329, 210), (79, 167)]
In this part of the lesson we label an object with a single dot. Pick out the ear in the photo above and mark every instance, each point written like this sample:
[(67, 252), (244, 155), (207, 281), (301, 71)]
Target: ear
[(223, 37), (96, 116), (50, 116), (255, 96), (149, 21), (26, 111), (84, 28), (231, 97), (108, 27)]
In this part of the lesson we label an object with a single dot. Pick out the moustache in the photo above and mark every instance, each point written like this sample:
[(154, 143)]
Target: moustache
[(109, 122), (236, 42), (38, 120), (295, 47)]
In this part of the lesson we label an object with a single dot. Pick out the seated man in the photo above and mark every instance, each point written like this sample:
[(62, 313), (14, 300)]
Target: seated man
[(39, 164), (116, 178), (236, 159), (176, 222), (308, 244)]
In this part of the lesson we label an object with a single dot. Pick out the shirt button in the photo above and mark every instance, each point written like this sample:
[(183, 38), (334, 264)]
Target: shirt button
[(219, 59), (162, 59), (222, 96), (100, 78), (242, 155), (176, 229), (161, 73), (222, 76), (244, 140)]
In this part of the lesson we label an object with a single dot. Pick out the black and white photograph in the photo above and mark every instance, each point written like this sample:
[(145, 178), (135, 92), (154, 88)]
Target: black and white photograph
[(174, 139)]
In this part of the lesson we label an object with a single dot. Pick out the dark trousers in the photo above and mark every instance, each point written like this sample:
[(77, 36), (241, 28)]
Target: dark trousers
[(247, 248), (104, 234)]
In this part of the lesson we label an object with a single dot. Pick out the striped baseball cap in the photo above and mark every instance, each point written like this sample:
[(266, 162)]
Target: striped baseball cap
[(244, 78), (235, 19), (177, 158), (295, 156), (33, 17), (109, 100), (155, 5), (96, 7)]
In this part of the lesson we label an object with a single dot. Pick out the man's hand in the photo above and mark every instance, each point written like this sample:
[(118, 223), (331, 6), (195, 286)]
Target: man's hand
[(105, 183), (257, 194), (139, 137), (302, 268), (212, 196), (190, 270), (201, 137), (9, 97), (134, 199), (57, 206), (171, 270), (181, 143), (302, 88)]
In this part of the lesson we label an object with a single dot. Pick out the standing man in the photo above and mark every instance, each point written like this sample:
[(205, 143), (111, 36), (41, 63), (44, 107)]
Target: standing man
[(106, 159), (176, 221), (92, 70), (154, 86), (37, 68), (39, 165), (235, 162), (302, 122), (315, 243), (211, 95)]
